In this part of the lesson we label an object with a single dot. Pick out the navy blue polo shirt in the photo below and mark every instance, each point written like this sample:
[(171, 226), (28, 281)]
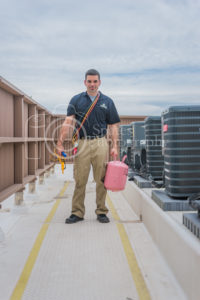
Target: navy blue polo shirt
[(103, 113)]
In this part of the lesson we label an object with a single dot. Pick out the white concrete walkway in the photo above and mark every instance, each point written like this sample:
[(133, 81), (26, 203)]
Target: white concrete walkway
[(42, 258)]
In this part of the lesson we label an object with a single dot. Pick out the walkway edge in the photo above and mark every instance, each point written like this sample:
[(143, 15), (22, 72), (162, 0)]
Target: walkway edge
[(136, 273)]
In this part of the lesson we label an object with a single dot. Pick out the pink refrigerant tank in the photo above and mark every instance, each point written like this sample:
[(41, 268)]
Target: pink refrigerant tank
[(116, 175)]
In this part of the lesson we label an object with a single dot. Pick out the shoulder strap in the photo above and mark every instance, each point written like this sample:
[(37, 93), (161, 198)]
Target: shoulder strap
[(75, 135)]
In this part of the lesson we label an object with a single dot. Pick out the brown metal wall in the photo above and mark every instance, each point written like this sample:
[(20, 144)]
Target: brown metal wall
[(26, 119), (129, 119), (6, 165), (36, 124), (6, 114), (25, 159), (23, 124), (25, 134)]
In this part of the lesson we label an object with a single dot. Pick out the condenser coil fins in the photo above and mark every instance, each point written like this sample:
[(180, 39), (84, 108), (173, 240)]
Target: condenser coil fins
[(154, 157), (181, 149), (125, 137), (138, 151)]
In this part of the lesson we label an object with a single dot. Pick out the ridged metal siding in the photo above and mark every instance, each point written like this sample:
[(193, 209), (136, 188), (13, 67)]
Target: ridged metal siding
[(154, 157), (138, 144), (181, 150), (125, 137)]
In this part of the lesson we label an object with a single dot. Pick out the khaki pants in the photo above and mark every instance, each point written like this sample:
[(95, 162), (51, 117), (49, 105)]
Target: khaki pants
[(90, 152)]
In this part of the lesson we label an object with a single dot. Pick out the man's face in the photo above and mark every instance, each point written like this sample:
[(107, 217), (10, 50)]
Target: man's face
[(92, 83)]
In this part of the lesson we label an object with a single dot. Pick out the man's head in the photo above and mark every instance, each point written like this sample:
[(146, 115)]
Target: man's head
[(92, 81), (92, 72)]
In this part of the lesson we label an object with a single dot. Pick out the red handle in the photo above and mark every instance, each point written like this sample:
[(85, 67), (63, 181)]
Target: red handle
[(124, 157)]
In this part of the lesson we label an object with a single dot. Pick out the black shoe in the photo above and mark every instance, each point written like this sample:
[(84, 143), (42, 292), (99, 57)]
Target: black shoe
[(73, 219), (103, 218)]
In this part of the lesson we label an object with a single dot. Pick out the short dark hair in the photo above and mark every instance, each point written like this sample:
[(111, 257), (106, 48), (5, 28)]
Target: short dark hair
[(92, 72)]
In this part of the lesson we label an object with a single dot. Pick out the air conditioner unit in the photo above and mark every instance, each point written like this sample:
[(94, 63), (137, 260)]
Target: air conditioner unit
[(181, 149), (154, 157), (138, 149), (125, 137)]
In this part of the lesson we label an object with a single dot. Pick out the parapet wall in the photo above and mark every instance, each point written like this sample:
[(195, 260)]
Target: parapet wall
[(28, 133)]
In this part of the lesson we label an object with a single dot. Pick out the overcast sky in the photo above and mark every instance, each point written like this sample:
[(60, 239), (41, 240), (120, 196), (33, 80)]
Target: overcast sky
[(147, 51)]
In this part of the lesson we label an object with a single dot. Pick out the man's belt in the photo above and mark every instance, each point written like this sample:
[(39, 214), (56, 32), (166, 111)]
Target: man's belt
[(91, 137)]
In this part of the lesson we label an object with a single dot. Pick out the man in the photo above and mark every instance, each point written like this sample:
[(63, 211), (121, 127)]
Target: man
[(92, 146)]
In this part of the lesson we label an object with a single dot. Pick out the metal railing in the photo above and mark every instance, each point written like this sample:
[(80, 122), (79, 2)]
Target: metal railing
[(28, 132)]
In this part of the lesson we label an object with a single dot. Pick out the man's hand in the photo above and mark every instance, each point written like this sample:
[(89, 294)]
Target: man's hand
[(114, 152), (59, 148), (65, 129), (114, 136)]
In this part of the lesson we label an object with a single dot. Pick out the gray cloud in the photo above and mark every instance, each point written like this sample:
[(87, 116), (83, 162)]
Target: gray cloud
[(147, 51)]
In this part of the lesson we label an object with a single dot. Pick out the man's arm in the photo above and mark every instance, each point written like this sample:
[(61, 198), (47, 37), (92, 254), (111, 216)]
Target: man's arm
[(64, 132), (114, 136)]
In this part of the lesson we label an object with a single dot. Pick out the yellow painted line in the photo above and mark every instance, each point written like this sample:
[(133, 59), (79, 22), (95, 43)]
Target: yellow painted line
[(23, 280), (138, 279)]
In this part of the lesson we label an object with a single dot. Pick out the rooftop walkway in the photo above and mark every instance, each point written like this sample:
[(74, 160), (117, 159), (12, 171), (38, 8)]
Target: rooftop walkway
[(42, 258)]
